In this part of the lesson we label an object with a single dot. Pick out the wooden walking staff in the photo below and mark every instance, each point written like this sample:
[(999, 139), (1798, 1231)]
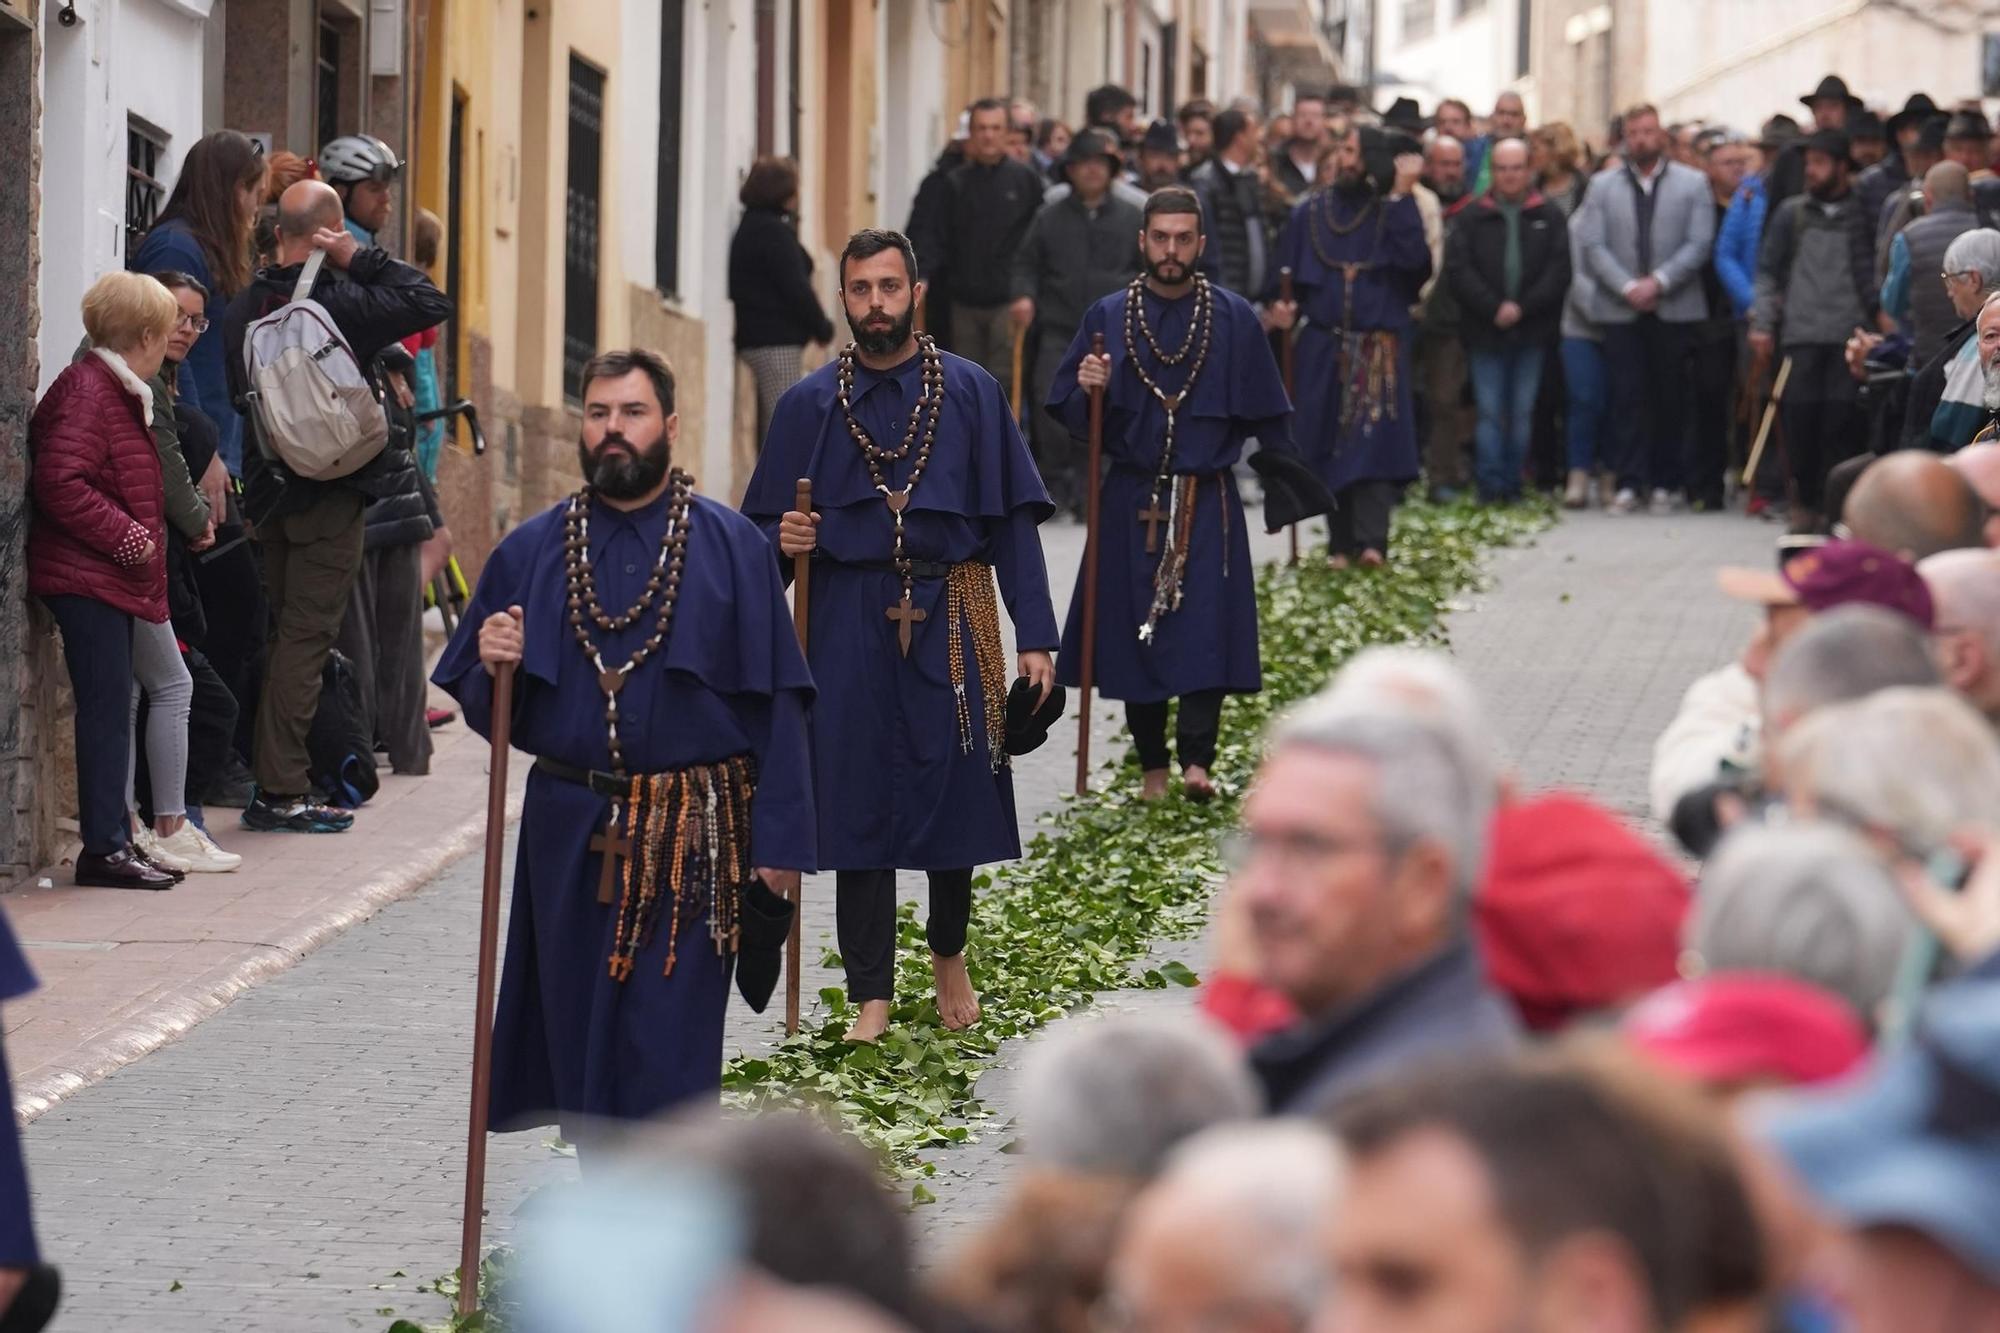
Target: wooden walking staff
[(1285, 343), (1087, 669), (1770, 420), (1014, 398), (482, 1022), (801, 596)]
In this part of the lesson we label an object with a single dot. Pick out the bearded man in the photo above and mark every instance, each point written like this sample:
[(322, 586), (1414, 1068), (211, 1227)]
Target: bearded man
[(924, 492), (1359, 260), (664, 699)]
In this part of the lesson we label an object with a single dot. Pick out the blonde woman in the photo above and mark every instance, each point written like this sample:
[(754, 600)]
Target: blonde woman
[(1558, 160)]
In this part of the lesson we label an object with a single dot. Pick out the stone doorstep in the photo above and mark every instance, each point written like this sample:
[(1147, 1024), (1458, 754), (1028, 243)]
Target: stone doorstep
[(114, 985)]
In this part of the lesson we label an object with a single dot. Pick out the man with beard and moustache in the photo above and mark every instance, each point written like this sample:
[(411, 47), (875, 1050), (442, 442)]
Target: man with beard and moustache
[(1359, 259), (1177, 597), (1831, 105), (1815, 286), (923, 491), (1439, 353), (661, 691), (1893, 172)]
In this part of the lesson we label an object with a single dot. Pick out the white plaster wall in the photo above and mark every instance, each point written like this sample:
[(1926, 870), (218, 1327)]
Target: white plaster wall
[(1470, 58), (914, 122), (127, 57), (719, 142)]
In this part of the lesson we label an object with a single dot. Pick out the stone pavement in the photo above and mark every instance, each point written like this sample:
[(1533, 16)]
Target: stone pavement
[(283, 1161)]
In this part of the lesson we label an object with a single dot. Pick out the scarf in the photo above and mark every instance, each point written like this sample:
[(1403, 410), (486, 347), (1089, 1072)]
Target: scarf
[(135, 386)]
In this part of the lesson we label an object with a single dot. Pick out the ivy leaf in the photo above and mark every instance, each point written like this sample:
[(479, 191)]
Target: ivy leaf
[(1179, 973), (920, 1193)]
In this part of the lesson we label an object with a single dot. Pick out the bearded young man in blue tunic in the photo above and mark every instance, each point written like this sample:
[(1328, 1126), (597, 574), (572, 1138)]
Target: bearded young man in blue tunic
[(669, 810), (1188, 377), (923, 493), (1358, 258)]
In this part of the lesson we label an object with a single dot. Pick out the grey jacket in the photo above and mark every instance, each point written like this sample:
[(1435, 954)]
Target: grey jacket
[(1072, 256), (1814, 280), (1607, 228)]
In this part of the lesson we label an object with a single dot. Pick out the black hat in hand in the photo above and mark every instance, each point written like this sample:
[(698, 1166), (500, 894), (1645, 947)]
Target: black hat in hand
[(1027, 725), (1293, 492), (764, 924)]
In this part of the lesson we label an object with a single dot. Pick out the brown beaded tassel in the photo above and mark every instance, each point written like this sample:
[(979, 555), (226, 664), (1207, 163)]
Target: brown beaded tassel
[(970, 601), (691, 853)]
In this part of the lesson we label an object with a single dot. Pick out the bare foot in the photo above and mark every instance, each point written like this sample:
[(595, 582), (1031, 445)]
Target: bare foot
[(1195, 784), (957, 1005), (1336, 561), (1373, 559), (1153, 785), (872, 1022)]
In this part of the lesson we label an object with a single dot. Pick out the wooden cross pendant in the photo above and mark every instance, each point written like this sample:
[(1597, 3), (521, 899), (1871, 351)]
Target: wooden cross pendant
[(905, 613), (1152, 516), (616, 847)]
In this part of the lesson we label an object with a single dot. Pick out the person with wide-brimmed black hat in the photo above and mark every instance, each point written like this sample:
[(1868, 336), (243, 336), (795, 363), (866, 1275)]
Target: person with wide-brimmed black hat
[(1815, 286), (1880, 181), (1831, 104), (1906, 203)]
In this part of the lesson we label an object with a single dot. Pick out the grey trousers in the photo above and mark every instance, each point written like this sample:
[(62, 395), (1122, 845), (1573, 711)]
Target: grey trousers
[(986, 334), (383, 634), (1061, 459)]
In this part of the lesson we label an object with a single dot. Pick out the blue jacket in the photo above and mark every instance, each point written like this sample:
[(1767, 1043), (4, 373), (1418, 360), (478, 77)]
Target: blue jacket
[(1736, 246), (204, 379)]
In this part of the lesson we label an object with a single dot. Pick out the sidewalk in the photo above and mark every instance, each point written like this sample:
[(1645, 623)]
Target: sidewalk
[(124, 972)]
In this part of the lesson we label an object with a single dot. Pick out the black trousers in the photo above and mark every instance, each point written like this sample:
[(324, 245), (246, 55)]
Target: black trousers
[(1714, 365), (1645, 361), (864, 909), (1360, 522), (1194, 732), (1822, 417), (239, 620), (97, 645)]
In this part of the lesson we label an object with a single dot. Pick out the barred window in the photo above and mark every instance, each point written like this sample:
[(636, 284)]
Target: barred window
[(145, 148)]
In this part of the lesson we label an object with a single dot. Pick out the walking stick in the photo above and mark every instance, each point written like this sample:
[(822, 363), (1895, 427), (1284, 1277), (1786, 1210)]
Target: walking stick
[(482, 1020), (1285, 344), (1770, 419), (1014, 398), (801, 595), (1087, 669)]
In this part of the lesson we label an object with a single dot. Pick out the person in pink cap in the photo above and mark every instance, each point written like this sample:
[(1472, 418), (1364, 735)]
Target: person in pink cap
[(1735, 1032)]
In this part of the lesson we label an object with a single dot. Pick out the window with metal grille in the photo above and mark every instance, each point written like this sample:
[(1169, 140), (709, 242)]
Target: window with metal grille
[(580, 226), (144, 148), (667, 196)]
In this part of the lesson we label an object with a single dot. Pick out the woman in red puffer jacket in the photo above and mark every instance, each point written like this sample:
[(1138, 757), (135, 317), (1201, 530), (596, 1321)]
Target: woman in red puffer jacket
[(97, 549)]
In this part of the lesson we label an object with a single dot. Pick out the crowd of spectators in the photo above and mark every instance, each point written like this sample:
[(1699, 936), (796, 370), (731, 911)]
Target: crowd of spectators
[(199, 584)]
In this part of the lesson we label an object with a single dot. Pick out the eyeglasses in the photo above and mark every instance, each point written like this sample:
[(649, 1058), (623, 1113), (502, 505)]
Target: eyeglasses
[(1241, 847), (198, 323), (1954, 277)]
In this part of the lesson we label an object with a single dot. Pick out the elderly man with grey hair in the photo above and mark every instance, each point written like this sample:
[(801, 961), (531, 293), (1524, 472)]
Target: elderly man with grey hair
[(1113, 1096), (1229, 1239), (1947, 402), (1842, 655), (1965, 588), (1362, 841)]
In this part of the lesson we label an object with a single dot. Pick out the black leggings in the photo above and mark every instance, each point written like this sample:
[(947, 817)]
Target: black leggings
[(865, 924), (1194, 733)]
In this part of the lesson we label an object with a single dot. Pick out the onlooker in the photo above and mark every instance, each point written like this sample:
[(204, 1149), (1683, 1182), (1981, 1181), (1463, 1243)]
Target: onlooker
[(1239, 247), (204, 232), (1965, 587), (1508, 121), (770, 284), (1081, 247), (1197, 124), (361, 169), (1051, 142), (1846, 654), (1947, 403), (1831, 104), (1979, 464), (992, 201), (1039, 1266), (1723, 157), (1361, 843), (1808, 901), (1440, 352), (1814, 287), (1742, 231), (1021, 133), (1646, 229), (1868, 138), (928, 229), (1453, 118), (1297, 166), (1914, 504), (1508, 265), (1158, 161), (1114, 110), (1113, 1096), (1741, 1032), (97, 556), (1893, 172), (1909, 296), (1906, 203), (426, 247), (1229, 1239), (312, 532), (1560, 166)]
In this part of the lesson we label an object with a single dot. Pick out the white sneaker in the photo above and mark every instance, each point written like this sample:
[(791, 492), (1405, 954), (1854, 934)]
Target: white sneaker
[(1625, 502), (160, 851), (197, 853), (1665, 502)]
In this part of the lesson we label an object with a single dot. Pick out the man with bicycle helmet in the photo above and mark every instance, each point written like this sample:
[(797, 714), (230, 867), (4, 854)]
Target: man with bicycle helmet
[(362, 170)]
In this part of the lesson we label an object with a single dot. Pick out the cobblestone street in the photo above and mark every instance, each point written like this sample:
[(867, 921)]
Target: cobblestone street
[(295, 1161)]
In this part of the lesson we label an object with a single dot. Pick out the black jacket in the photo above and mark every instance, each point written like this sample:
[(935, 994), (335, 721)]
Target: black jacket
[(1475, 257), (929, 229), (1231, 204), (1927, 391), (375, 304), (990, 212), (1072, 257), (770, 280)]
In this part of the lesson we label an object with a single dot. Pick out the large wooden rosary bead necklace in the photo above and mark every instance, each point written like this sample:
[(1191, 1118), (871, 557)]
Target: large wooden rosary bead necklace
[(921, 434)]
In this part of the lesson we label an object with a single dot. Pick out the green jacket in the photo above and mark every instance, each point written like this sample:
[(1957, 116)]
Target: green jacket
[(187, 507)]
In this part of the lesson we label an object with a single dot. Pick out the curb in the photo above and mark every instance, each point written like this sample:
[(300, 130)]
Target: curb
[(173, 1013)]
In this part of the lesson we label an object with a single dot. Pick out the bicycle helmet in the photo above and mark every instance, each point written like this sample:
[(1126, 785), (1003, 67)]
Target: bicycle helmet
[(358, 157)]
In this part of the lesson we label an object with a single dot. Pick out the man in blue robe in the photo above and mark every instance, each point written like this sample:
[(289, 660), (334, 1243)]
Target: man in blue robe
[(29, 1288), (1358, 259), (1188, 377), (923, 492), (670, 805)]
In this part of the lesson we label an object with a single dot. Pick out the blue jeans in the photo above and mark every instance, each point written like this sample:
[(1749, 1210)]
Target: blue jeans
[(1583, 414), (1503, 385)]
